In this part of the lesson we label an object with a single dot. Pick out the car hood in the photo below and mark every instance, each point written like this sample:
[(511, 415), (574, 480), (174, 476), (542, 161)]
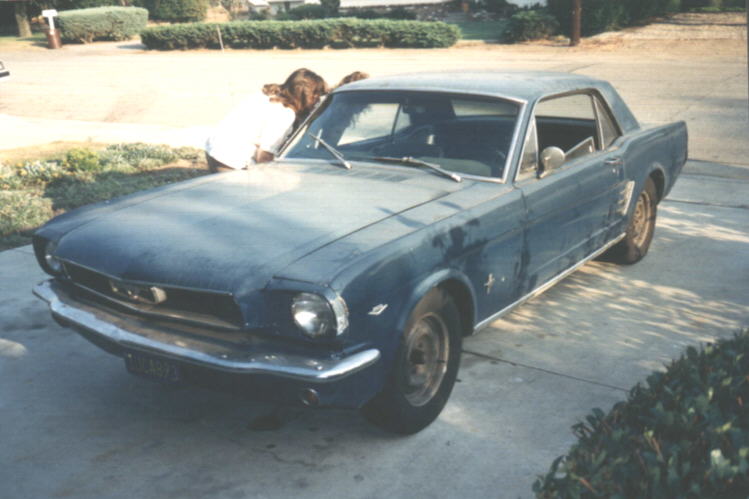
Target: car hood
[(231, 232)]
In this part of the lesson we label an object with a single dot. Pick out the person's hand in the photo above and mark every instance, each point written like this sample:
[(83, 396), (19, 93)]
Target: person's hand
[(262, 156)]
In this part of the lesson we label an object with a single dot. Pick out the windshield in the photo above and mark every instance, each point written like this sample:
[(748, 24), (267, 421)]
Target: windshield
[(464, 134)]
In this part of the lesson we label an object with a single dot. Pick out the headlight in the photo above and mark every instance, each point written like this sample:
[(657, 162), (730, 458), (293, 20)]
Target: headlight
[(49, 257), (317, 317)]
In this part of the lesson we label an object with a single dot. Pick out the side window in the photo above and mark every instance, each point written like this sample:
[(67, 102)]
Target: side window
[(569, 123), (607, 125)]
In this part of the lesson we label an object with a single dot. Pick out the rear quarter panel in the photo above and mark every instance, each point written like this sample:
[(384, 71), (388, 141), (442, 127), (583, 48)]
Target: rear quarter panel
[(657, 151)]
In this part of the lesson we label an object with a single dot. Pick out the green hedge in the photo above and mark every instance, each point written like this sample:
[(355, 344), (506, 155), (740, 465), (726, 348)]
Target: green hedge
[(176, 11), (101, 23), (338, 33), (685, 434), (530, 25)]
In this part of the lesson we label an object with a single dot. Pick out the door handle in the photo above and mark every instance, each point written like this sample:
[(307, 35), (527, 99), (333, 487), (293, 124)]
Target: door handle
[(614, 164)]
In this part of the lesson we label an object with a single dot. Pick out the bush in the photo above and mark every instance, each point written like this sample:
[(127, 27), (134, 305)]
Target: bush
[(598, 15), (176, 11), (685, 434), (86, 4), (330, 7), (81, 160), (31, 191), (713, 5), (101, 23), (502, 8), (401, 13), (604, 15), (530, 25), (339, 33), (398, 13), (22, 211), (309, 11)]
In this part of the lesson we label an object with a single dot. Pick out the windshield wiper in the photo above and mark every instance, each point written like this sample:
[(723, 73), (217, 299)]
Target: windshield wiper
[(408, 160), (332, 150)]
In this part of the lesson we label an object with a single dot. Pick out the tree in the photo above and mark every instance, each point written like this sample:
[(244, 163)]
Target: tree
[(577, 9), (22, 19)]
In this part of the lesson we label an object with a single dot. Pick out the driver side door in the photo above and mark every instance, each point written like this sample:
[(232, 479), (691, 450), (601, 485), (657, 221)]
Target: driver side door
[(568, 209)]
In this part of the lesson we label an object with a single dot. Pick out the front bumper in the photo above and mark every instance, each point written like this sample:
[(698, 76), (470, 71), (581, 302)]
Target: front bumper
[(117, 335)]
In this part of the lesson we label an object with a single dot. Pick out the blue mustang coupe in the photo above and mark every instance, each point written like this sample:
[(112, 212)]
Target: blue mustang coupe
[(405, 213)]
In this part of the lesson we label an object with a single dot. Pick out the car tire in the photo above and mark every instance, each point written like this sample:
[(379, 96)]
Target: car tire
[(424, 369), (640, 230)]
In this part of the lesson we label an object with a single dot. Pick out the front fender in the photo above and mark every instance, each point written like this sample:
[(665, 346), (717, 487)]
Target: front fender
[(411, 293)]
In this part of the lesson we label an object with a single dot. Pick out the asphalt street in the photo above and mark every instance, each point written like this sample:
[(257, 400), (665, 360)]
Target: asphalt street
[(74, 423)]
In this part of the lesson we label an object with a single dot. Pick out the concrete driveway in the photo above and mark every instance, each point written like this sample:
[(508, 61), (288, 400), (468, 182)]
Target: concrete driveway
[(73, 423)]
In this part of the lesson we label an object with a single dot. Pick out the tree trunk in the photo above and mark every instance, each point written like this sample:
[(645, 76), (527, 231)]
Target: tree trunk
[(577, 9), (22, 20)]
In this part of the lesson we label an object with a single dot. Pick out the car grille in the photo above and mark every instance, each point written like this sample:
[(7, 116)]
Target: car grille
[(207, 308)]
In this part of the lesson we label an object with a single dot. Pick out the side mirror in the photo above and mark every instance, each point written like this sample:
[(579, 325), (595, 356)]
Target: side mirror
[(551, 158)]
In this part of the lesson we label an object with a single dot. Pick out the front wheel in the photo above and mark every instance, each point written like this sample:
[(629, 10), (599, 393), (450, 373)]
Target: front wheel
[(640, 231), (424, 369)]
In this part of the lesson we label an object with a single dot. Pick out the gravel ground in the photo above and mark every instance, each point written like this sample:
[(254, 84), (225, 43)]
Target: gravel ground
[(686, 26)]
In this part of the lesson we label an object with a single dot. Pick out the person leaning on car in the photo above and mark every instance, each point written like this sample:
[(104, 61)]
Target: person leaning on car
[(253, 132)]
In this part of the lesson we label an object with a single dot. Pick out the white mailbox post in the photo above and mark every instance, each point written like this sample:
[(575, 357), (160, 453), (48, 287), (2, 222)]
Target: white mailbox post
[(53, 35)]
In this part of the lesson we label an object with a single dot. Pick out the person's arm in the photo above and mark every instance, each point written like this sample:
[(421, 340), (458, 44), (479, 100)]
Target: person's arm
[(277, 125)]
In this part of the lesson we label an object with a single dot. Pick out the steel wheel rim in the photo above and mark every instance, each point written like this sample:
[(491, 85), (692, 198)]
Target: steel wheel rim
[(427, 351), (640, 219)]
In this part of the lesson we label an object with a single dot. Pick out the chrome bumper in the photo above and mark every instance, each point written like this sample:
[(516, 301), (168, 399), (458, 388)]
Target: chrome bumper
[(312, 370)]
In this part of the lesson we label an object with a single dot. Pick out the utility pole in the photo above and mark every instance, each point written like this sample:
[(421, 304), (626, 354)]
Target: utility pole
[(577, 9)]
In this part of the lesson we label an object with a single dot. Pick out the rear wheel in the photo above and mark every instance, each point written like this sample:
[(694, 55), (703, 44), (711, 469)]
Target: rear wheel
[(641, 228), (424, 370)]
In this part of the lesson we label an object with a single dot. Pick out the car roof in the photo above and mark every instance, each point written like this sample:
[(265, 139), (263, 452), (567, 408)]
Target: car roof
[(518, 85)]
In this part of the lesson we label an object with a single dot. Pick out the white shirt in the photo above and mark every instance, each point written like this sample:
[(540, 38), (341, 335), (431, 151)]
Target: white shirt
[(256, 122)]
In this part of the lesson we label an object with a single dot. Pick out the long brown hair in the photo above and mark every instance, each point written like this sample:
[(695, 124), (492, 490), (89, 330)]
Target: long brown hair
[(352, 77), (300, 92)]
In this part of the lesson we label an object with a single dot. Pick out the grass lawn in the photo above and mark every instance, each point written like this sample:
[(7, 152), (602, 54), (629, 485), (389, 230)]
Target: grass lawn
[(482, 30), (37, 184), (8, 42)]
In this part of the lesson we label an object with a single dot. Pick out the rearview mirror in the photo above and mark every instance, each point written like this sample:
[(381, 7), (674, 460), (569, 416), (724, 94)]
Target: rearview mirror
[(551, 158)]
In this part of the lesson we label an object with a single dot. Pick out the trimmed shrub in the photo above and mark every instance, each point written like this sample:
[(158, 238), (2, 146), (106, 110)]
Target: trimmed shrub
[(101, 23), (338, 33), (176, 11), (685, 434), (530, 25)]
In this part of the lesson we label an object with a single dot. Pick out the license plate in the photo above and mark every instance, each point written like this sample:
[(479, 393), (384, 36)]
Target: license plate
[(152, 367)]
